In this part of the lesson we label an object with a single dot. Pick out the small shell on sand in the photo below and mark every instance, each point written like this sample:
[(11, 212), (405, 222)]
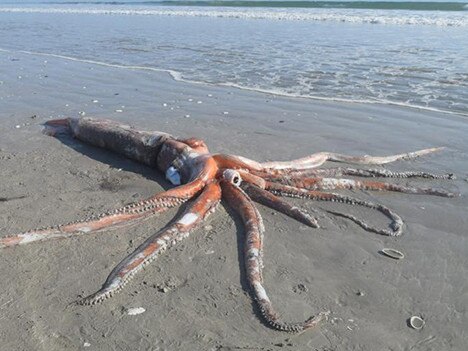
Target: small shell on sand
[(416, 322), (392, 253), (135, 311)]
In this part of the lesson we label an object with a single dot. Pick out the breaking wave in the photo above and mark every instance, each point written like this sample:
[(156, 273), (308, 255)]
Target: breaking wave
[(347, 15)]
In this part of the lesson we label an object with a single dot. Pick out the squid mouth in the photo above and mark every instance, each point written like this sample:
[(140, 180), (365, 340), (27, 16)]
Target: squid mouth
[(232, 177)]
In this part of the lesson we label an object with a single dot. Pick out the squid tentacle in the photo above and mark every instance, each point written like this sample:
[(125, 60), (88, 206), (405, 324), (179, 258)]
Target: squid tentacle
[(385, 173), (226, 161), (253, 253), (203, 206), (122, 216), (320, 158), (268, 199), (290, 191), (343, 183), (340, 171), (252, 179)]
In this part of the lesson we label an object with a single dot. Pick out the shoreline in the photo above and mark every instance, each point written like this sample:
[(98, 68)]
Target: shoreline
[(206, 304), (178, 77)]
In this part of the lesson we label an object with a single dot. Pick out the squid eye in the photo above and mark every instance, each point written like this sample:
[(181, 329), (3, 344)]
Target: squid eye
[(173, 175)]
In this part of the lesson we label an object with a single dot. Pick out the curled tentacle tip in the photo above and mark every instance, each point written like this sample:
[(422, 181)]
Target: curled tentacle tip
[(80, 302), (83, 302), (71, 305), (397, 232), (90, 300), (313, 321)]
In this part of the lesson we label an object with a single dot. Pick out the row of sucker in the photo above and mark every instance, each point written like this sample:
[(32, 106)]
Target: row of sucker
[(343, 183), (158, 243), (385, 173), (289, 191), (253, 252), (143, 208), (367, 173), (273, 320)]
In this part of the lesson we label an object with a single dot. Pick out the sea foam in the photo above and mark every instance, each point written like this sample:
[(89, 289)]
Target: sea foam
[(177, 76), (396, 17)]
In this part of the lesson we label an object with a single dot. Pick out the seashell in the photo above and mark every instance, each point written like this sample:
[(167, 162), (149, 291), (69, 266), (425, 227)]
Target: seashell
[(135, 311), (392, 253), (416, 322)]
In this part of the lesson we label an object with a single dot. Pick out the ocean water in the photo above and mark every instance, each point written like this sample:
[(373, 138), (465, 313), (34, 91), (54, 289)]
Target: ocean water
[(404, 53)]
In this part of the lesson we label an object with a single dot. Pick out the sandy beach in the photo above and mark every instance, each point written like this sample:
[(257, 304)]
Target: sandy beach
[(195, 296)]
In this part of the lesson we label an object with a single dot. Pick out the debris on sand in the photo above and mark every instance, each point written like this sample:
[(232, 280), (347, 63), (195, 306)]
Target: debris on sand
[(416, 322), (135, 311), (392, 253)]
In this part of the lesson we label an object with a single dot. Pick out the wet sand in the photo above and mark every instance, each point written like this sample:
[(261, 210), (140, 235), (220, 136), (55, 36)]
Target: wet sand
[(195, 296)]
